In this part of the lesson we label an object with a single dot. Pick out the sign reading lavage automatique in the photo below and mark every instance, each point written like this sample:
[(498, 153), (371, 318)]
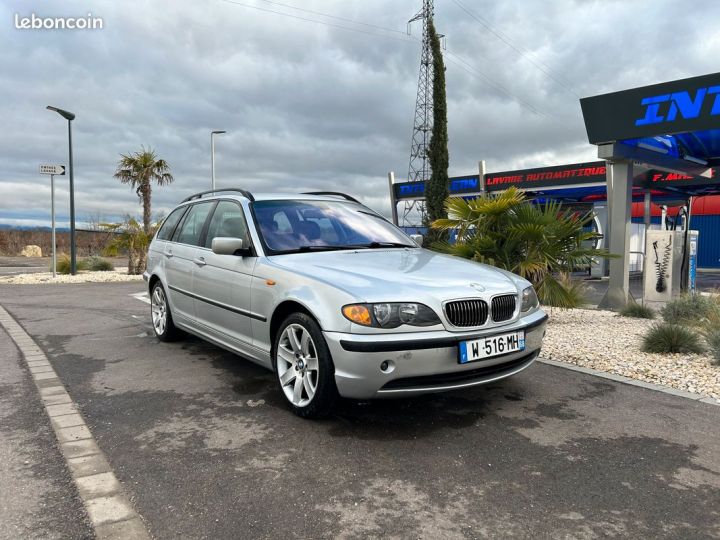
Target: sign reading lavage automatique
[(544, 177), (668, 108)]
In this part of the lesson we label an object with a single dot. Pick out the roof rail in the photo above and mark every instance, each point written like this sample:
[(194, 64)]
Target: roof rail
[(336, 193), (243, 192)]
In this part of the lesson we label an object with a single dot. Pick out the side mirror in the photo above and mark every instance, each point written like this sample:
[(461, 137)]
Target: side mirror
[(224, 245), (417, 238)]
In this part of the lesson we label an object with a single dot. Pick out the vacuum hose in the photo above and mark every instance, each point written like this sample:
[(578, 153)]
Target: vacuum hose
[(661, 267)]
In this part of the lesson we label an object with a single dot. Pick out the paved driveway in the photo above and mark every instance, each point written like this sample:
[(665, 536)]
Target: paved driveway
[(205, 447)]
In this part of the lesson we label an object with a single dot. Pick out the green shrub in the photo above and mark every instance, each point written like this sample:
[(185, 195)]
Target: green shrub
[(713, 340), (63, 264), (544, 243), (98, 264), (637, 311), (688, 309), (667, 338)]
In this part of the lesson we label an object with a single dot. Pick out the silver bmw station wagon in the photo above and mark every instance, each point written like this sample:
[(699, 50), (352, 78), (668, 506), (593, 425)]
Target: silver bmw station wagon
[(334, 299)]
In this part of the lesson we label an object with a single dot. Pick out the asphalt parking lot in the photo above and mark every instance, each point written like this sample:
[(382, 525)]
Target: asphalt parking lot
[(205, 448)]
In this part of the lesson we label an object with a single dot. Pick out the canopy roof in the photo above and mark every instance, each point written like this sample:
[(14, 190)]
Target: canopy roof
[(674, 125)]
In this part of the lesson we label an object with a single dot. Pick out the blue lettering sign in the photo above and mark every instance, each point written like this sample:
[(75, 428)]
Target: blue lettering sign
[(463, 184), (679, 102), (414, 188)]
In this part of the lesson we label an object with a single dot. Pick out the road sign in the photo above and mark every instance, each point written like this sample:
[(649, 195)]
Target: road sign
[(52, 169)]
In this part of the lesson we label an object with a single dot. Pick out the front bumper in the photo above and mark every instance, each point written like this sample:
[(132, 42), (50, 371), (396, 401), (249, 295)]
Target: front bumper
[(424, 362)]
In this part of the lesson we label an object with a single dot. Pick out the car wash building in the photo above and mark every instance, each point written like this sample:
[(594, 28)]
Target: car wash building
[(655, 189)]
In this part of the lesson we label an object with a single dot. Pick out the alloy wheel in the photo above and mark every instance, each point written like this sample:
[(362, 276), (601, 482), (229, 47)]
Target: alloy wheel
[(297, 365), (159, 310)]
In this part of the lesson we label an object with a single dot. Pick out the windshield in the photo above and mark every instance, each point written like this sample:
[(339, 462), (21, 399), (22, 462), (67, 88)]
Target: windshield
[(292, 226)]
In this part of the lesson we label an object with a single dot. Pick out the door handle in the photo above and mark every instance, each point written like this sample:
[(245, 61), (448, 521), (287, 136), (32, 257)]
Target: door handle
[(168, 254), (200, 261)]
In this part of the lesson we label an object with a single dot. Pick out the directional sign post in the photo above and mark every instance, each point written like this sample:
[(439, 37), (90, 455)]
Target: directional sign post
[(52, 170)]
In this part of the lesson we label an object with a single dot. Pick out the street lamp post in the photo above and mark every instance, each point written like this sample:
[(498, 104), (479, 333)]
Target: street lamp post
[(70, 117), (212, 154)]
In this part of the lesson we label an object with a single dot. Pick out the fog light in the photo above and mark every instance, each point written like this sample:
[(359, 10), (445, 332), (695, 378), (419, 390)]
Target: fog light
[(387, 366)]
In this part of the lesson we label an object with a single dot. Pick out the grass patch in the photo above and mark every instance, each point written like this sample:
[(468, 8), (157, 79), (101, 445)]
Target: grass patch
[(690, 309), (665, 338), (637, 311), (98, 264), (713, 340), (63, 264)]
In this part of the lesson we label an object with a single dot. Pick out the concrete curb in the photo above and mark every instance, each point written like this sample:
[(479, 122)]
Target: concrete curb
[(109, 509), (634, 382)]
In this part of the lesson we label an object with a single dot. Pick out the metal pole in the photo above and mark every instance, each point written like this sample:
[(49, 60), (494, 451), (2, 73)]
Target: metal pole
[(52, 214), (685, 274), (647, 209), (393, 201), (212, 158), (481, 176), (73, 254), (620, 204)]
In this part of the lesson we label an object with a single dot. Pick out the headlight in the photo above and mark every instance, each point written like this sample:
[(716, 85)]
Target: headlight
[(529, 299), (390, 315)]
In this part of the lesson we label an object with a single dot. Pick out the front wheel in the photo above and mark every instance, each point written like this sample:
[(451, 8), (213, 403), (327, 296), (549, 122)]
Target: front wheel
[(162, 320), (304, 368)]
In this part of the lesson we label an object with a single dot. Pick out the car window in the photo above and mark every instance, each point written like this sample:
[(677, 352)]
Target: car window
[(192, 226), (301, 225), (327, 230), (282, 223), (227, 220), (170, 223)]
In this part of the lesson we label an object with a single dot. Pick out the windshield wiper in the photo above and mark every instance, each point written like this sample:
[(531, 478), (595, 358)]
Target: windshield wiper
[(371, 245), (376, 245), (302, 249)]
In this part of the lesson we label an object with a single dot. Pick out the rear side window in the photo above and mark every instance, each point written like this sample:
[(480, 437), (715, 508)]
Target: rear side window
[(191, 228), (170, 223), (227, 221)]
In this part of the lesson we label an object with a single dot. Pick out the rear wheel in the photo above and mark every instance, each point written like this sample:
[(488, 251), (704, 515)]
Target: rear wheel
[(162, 320), (304, 368)]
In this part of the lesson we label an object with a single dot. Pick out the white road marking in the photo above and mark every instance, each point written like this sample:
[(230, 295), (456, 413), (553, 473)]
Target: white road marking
[(99, 489), (142, 296)]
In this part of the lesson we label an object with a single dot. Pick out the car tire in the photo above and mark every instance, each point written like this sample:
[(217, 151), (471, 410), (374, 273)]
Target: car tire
[(161, 317), (303, 367)]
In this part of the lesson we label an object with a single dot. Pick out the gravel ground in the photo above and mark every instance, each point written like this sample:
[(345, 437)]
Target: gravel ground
[(605, 341), (119, 274)]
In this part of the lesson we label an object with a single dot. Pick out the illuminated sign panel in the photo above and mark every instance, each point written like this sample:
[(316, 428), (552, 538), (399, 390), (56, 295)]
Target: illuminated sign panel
[(562, 175), (459, 185), (677, 102), (662, 179), (661, 109), (543, 178)]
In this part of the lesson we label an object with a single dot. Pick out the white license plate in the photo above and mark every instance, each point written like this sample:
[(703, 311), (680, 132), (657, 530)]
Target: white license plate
[(477, 349)]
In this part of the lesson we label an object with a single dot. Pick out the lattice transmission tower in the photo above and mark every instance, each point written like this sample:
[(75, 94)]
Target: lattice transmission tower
[(419, 168)]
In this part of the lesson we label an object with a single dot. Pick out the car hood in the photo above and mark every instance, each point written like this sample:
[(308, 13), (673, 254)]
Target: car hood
[(388, 275)]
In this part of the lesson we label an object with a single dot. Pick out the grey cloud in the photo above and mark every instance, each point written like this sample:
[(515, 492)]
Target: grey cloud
[(311, 106)]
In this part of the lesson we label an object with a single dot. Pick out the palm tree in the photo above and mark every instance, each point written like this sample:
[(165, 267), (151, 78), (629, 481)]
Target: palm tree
[(130, 237), (543, 243), (140, 170)]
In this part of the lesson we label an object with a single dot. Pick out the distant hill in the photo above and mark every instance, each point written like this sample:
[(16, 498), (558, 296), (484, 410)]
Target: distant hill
[(6, 227)]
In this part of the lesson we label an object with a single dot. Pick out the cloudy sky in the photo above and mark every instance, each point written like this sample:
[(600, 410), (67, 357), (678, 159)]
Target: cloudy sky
[(317, 97)]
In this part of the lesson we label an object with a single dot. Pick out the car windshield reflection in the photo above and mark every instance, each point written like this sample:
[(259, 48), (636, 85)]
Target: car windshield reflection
[(288, 226)]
